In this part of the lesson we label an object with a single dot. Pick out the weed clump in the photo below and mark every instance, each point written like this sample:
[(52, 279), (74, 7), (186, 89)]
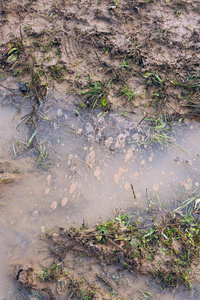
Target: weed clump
[(96, 95), (53, 273), (127, 93), (168, 250)]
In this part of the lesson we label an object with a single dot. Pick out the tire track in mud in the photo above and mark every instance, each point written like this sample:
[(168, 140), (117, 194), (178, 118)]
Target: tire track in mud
[(75, 50)]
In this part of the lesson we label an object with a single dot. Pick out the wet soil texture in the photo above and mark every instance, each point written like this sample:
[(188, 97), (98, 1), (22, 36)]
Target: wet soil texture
[(129, 53), (93, 95)]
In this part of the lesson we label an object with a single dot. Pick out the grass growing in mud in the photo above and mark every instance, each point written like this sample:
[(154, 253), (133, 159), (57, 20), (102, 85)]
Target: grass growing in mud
[(127, 93), (40, 54), (167, 250), (20, 57), (34, 148), (157, 130), (96, 95), (52, 273)]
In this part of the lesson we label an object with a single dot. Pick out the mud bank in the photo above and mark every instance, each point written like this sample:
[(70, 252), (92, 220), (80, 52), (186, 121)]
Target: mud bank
[(168, 250)]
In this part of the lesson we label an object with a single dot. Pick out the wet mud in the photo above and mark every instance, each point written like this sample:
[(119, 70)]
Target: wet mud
[(99, 118), (132, 54), (114, 250)]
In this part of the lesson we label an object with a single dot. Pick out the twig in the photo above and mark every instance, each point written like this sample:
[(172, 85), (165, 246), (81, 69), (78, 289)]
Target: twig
[(142, 120), (10, 90), (134, 195)]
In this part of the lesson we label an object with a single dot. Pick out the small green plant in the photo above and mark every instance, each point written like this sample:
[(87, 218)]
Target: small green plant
[(96, 95), (124, 113), (16, 72), (177, 12), (57, 72), (43, 160), (47, 47), (127, 93), (52, 273), (157, 131), (112, 294), (153, 78), (82, 289), (31, 139), (190, 204), (163, 206), (123, 219), (190, 90), (20, 147), (125, 64), (145, 294), (84, 296), (12, 52)]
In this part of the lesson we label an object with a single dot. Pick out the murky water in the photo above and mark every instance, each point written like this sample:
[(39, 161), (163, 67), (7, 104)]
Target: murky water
[(94, 174)]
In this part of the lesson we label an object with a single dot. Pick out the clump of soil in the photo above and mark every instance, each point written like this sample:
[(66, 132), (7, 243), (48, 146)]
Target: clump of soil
[(9, 174), (56, 282)]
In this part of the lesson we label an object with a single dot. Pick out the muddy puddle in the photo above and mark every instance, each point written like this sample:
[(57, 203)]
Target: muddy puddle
[(89, 91), (94, 171)]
